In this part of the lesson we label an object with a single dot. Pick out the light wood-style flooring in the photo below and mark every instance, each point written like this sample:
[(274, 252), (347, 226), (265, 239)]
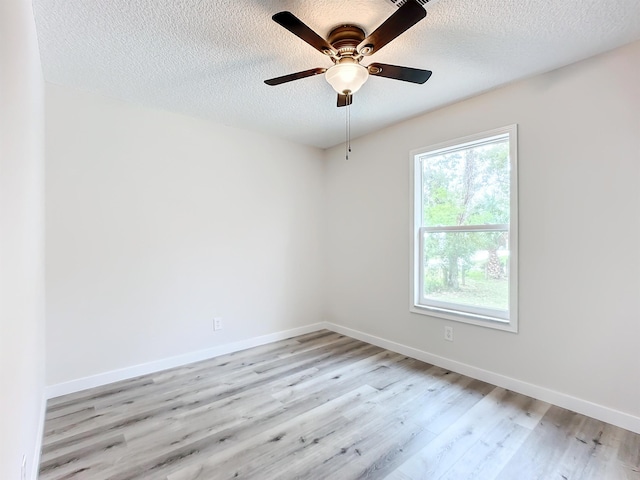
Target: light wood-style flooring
[(323, 406)]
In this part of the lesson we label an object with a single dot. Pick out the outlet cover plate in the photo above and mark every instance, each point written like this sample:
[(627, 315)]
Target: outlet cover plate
[(448, 334), (217, 323)]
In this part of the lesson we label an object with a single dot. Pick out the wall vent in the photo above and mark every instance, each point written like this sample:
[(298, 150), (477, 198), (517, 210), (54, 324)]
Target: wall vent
[(398, 3)]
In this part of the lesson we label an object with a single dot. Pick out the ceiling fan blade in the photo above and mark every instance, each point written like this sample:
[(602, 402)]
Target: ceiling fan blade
[(402, 20), (344, 100), (406, 74), (295, 76), (292, 23)]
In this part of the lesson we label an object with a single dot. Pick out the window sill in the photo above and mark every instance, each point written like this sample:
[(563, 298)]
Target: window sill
[(470, 318)]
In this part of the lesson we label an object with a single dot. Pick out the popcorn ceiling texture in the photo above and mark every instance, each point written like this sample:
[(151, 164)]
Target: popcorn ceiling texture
[(208, 58)]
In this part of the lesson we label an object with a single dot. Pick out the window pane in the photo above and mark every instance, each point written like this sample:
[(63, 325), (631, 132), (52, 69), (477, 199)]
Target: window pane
[(467, 268), (467, 186)]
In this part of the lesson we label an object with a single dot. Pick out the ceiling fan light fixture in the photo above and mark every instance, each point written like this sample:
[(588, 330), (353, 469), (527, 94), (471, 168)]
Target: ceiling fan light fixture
[(347, 76)]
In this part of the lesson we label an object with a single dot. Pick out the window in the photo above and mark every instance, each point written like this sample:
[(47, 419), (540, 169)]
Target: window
[(464, 236)]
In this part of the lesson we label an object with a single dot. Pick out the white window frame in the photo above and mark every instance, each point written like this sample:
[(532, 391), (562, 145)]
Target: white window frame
[(508, 320)]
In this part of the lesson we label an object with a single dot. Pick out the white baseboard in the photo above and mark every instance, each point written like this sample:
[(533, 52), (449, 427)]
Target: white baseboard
[(171, 362), (599, 412)]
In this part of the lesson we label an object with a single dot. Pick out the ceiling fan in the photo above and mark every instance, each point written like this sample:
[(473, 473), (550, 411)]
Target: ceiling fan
[(347, 46)]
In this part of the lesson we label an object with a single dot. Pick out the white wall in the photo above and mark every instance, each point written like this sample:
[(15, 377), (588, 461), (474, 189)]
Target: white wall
[(579, 161), (158, 222), (21, 241)]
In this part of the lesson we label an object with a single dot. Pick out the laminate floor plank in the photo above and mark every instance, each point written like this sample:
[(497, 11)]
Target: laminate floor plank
[(247, 457), (351, 370), (455, 442), (323, 406), (489, 454), (588, 445), (359, 449), (569, 446), (314, 335), (409, 389), (627, 451), (174, 433), (448, 400)]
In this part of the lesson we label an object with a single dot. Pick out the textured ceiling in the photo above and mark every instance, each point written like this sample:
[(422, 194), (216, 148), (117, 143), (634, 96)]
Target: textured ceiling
[(209, 58)]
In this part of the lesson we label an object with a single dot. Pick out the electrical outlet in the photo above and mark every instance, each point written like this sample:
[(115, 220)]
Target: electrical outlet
[(217, 323), (448, 334), (23, 468)]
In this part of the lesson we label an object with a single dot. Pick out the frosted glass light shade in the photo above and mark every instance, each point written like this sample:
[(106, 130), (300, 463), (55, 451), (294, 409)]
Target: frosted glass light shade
[(347, 77)]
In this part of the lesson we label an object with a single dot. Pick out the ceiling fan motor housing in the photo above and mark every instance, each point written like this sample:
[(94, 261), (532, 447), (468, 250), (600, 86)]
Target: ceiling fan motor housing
[(345, 39)]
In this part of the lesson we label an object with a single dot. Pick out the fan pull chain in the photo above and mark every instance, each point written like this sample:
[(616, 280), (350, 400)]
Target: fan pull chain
[(348, 128)]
